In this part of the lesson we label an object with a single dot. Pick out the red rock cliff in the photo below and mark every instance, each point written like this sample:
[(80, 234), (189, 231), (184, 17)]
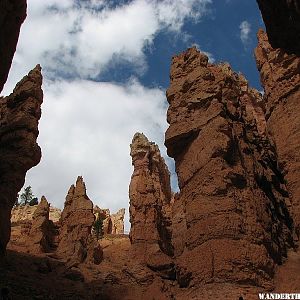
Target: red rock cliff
[(19, 116), (280, 77), (234, 218)]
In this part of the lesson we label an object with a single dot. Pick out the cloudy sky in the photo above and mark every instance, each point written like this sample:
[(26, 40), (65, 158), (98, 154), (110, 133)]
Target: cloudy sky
[(106, 68)]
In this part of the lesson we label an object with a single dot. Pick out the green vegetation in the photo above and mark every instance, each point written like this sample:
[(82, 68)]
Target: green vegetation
[(27, 197)]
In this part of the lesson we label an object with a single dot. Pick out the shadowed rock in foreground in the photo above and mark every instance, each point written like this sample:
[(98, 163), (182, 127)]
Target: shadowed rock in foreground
[(20, 113), (12, 15)]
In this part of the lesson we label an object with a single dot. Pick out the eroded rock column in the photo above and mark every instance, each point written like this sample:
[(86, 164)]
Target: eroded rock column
[(150, 196), (75, 241), (19, 116)]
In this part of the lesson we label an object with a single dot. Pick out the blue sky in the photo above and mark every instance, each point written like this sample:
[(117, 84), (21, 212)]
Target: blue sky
[(106, 69)]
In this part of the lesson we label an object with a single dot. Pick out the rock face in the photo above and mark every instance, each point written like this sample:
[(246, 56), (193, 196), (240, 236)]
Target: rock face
[(282, 20), (42, 230), (76, 221), (150, 196), (232, 209), (12, 15), (280, 77), (25, 213), (19, 151)]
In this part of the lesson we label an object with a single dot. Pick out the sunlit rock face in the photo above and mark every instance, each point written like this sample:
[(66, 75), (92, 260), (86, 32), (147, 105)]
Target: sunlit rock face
[(232, 209), (282, 20), (75, 241), (19, 117), (12, 15), (150, 196)]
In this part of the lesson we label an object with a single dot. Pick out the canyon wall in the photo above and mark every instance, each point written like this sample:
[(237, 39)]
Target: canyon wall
[(280, 77), (20, 113), (232, 209)]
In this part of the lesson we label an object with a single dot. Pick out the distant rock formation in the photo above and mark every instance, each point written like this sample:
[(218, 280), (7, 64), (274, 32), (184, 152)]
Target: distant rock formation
[(12, 15), (19, 151), (75, 241), (25, 213), (282, 20), (232, 209), (113, 223), (150, 196), (117, 221), (42, 231)]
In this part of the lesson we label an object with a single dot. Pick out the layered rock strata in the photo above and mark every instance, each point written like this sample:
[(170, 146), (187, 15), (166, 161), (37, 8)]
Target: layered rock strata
[(19, 116), (232, 209), (12, 15), (280, 77), (150, 196), (75, 240)]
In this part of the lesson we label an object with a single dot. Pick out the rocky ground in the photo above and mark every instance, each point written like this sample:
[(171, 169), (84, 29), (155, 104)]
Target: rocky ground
[(119, 276)]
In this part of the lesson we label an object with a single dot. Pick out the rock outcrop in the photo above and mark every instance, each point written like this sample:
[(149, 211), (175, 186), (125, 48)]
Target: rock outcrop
[(75, 241), (280, 77), (42, 231), (232, 209), (150, 196), (22, 213), (117, 221), (12, 15), (20, 113), (112, 223), (282, 20)]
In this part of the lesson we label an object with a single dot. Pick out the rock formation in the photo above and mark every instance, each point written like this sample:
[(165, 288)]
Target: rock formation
[(150, 196), (112, 223), (12, 15), (42, 230), (19, 151), (280, 77), (117, 221), (232, 209), (282, 20), (75, 242), (25, 213)]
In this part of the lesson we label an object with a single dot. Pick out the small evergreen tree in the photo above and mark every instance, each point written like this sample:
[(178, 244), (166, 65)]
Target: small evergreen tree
[(34, 201), (98, 225), (27, 196)]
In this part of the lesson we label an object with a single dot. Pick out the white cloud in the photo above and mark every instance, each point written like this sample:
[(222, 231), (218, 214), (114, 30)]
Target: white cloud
[(81, 40), (245, 30), (86, 127)]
